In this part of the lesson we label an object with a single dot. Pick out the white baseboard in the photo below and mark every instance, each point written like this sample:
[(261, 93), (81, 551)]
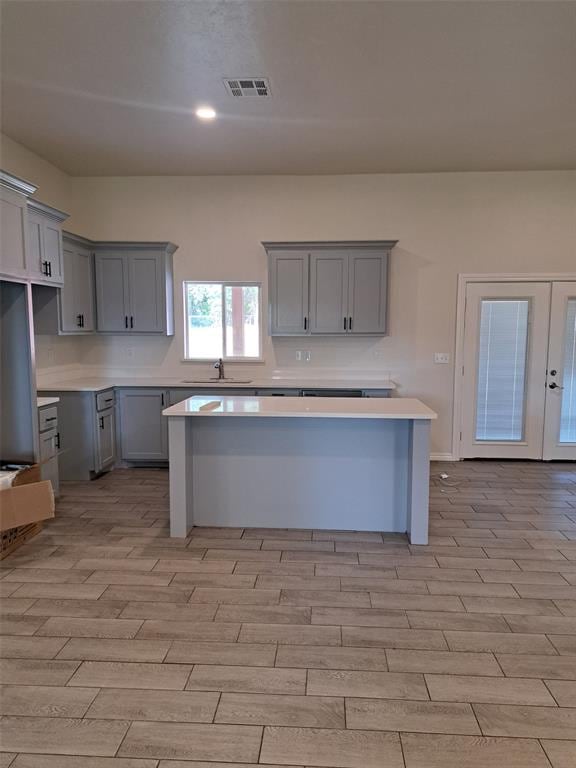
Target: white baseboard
[(442, 457)]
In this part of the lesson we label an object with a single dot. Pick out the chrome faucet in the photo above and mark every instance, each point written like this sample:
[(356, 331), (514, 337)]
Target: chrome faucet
[(219, 365)]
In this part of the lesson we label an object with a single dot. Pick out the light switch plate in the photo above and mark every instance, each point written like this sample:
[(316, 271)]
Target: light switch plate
[(441, 357)]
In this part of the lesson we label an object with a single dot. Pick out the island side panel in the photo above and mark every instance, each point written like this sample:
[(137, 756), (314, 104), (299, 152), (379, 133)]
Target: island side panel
[(181, 476), (419, 482), (348, 474)]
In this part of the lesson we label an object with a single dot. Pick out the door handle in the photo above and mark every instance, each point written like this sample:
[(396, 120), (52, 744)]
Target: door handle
[(305, 323), (82, 320), (554, 386), (45, 269), (344, 323), (49, 268), (79, 321), (125, 321), (131, 322), (58, 440), (101, 422), (349, 323)]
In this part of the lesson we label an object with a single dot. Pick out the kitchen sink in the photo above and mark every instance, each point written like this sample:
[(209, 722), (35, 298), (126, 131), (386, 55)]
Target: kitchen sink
[(216, 380)]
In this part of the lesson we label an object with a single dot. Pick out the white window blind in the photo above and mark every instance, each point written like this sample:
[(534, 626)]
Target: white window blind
[(568, 412), (502, 369)]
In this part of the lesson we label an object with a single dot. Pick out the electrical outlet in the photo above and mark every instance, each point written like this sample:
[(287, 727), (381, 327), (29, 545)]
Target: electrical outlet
[(308, 356), (441, 358), (299, 355)]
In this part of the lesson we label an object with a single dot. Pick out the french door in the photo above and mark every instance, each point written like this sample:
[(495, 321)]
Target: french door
[(519, 372)]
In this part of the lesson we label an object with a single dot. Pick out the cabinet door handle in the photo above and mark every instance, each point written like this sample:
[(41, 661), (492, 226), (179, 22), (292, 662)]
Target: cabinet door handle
[(125, 321), (45, 268), (349, 323), (82, 320), (344, 323), (57, 439), (131, 322), (79, 321), (162, 396), (305, 323), (51, 418), (49, 268), (101, 422)]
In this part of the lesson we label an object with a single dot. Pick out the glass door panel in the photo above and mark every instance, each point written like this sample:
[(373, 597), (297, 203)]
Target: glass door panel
[(560, 425), (502, 358), (568, 410), (505, 352)]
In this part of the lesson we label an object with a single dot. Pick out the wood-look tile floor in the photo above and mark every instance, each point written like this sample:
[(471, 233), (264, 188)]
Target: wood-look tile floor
[(123, 648)]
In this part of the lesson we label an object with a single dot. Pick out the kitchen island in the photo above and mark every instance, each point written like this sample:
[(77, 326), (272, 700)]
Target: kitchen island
[(297, 462)]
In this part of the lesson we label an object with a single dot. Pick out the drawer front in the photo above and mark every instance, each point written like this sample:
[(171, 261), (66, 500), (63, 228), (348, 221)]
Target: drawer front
[(48, 418), (105, 400)]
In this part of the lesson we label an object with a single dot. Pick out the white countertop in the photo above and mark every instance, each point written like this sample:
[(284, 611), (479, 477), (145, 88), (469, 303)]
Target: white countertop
[(98, 384), (304, 407), (42, 401)]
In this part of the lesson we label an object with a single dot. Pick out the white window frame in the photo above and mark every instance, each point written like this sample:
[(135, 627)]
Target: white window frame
[(225, 284)]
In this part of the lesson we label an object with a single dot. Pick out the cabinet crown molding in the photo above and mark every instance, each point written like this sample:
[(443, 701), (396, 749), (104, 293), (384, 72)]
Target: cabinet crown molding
[(131, 245), (47, 210), (320, 244), (16, 184)]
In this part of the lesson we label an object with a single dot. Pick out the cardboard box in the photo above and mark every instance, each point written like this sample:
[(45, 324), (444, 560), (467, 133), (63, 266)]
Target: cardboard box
[(28, 500), (25, 504)]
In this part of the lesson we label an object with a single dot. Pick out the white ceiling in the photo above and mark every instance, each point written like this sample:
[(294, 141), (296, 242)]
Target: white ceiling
[(108, 87)]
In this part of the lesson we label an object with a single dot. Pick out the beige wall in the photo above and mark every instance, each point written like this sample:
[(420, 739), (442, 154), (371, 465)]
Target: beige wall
[(445, 223), (54, 186)]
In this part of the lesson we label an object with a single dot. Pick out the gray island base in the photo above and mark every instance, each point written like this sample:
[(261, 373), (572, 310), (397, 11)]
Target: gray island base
[(297, 462)]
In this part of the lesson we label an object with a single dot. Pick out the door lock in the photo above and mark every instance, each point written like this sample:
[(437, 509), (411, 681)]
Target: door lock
[(553, 372), (554, 386)]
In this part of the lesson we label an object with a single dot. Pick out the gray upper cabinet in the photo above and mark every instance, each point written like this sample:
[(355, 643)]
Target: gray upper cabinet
[(288, 292), (143, 429), (77, 293), (134, 288), (328, 288), (112, 298), (45, 259), (328, 291), (147, 289), (14, 225), (367, 294)]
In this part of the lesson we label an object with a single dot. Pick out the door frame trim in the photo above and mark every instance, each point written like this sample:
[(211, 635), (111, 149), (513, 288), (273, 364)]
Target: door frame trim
[(488, 277)]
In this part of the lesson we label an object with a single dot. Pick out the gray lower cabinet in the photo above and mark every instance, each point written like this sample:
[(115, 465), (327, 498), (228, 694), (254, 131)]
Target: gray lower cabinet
[(134, 288), (143, 429), (87, 429), (49, 444), (328, 288), (105, 440)]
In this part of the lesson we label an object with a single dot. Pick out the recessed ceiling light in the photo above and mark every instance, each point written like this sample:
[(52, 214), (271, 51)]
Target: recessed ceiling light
[(206, 113)]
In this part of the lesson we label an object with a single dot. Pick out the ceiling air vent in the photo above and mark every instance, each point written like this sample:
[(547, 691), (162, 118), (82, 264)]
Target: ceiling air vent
[(247, 86)]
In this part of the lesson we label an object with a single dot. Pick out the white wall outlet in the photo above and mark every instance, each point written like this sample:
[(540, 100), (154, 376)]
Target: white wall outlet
[(441, 358)]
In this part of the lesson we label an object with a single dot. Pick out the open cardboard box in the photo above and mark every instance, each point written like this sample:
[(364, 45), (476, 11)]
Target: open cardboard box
[(28, 500)]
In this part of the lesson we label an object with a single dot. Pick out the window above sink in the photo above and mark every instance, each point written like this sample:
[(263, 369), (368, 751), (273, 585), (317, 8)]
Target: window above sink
[(222, 320)]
